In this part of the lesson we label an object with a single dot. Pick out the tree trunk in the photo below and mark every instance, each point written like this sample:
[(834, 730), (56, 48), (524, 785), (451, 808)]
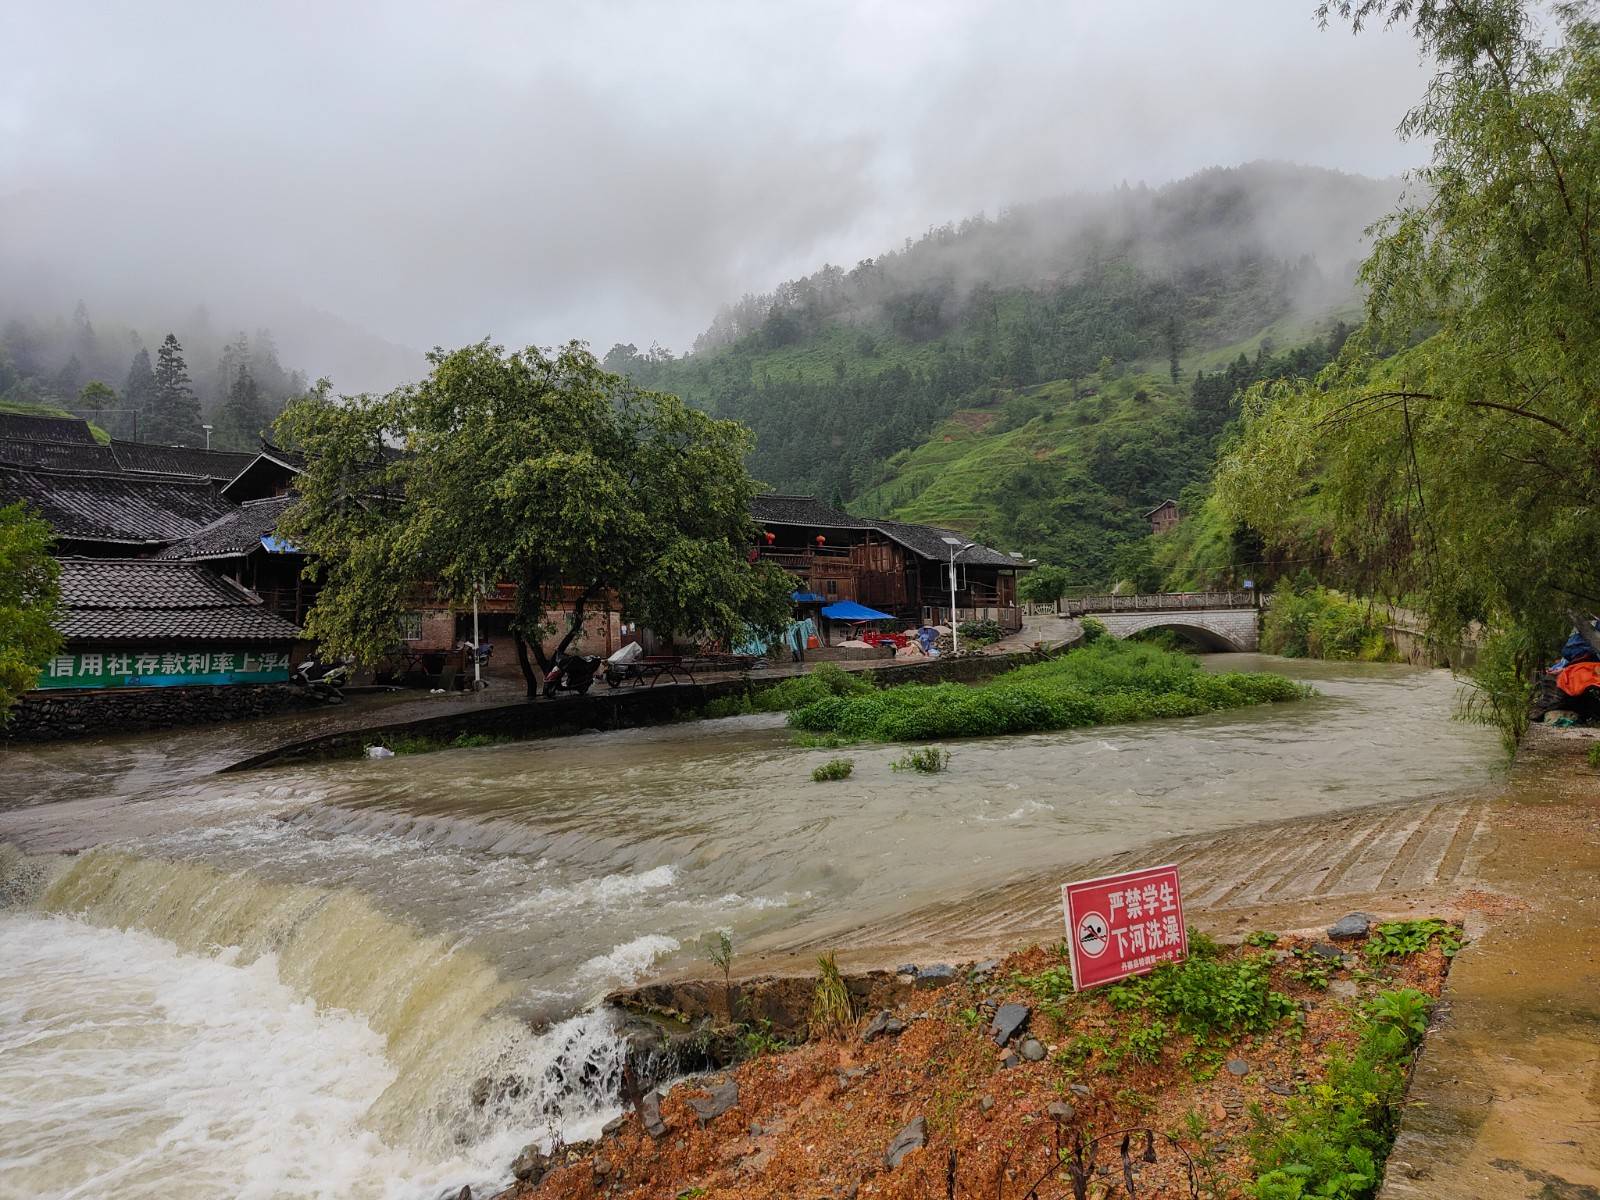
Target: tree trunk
[(527, 667)]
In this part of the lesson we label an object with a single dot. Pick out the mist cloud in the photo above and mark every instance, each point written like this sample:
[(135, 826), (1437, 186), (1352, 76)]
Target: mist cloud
[(534, 172)]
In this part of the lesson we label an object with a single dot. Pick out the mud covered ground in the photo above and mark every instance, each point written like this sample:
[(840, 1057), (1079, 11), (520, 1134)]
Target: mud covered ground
[(819, 1121)]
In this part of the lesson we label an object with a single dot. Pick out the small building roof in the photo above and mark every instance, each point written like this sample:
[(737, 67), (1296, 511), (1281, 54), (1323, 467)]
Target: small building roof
[(45, 428), (100, 506), (148, 457), (805, 511), (233, 535), (266, 470), (1159, 507), (70, 456), (125, 600), (926, 541)]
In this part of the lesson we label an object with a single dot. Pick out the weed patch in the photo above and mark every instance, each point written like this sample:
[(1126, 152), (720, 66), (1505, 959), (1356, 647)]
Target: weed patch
[(1395, 939), (929, 760)]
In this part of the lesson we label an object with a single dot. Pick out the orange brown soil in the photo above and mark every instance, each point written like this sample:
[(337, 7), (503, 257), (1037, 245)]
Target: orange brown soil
[(814, 1122)]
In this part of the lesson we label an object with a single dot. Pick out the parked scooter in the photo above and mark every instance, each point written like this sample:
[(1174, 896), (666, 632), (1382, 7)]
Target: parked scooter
[(325, 681), (572, 673)]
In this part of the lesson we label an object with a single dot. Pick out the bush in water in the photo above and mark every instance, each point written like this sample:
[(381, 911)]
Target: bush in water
[(834, 768), (1108, 681), (930, 760)]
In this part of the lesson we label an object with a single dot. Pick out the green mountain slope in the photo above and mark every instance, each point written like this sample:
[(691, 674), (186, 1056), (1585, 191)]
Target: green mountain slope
[(1031, 377)]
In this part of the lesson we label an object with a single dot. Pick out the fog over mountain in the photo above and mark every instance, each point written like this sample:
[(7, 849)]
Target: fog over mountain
[(370, 180)]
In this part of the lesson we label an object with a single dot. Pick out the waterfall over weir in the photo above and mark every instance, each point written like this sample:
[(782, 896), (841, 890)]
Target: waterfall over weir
[(372, 1028)]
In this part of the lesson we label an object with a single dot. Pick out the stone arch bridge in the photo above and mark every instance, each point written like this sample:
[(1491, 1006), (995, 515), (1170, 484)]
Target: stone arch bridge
[(1219, 621)]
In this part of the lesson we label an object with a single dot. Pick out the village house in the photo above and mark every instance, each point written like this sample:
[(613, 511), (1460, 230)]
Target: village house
[(891, 566), (1163, 516)]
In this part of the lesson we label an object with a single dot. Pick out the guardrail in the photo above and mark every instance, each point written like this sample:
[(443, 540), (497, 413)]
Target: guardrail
[(1082, 606)]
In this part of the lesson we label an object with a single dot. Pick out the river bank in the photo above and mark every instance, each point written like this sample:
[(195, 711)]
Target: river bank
[(467, 907)]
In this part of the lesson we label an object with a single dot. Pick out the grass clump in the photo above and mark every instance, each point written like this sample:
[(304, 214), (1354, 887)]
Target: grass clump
[(1306, 620), (825, 681), (419, 743), (1594, 755), (834, 768), (929, 760), (1101, 683), (1334, 1139), (1212, 999), (832, 1013), (1396, 939), (980, 633)]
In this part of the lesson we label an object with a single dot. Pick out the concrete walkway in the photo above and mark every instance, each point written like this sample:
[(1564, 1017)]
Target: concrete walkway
[(1506, 1098)]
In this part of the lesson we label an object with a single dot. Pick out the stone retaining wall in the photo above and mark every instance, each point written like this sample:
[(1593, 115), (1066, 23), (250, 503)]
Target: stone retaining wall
[(604, 708), (50, 715)]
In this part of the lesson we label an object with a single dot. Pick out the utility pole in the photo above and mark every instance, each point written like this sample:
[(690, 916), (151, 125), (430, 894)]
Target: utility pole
[(953, 542)]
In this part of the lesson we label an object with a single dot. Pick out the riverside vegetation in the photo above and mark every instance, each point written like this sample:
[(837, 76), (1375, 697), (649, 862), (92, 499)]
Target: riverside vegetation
[(1102, 683)]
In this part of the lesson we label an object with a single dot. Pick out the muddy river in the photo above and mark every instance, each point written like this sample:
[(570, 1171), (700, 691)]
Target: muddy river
[(284, 983)]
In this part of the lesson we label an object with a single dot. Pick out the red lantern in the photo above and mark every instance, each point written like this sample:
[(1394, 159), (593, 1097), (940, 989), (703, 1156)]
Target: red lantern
[(771, 537), (820, 539)]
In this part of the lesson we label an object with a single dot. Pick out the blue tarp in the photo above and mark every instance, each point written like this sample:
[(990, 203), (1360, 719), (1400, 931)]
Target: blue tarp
[(849, 610), (806, 598), (277, 545)]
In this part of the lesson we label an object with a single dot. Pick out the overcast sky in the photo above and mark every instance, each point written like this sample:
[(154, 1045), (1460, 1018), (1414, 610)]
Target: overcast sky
[(614, 171)]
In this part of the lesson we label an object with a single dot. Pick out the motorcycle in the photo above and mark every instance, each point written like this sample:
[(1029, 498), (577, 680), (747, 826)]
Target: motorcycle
[(324, 681), (572, 673)]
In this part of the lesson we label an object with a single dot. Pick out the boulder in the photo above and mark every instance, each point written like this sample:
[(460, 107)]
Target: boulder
[(1238, 1066), (530, 1166), (885, 1024), (650, 1115), (1328, 951), (1032, 1049), (1061, 1112), (937, 975), (720, 1098), (1348, 928), (1008, 1020), (913, 1137)]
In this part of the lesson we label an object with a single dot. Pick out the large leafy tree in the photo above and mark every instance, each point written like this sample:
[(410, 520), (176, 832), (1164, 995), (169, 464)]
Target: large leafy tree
[(29, 594), (1452, 454), (535, 468)]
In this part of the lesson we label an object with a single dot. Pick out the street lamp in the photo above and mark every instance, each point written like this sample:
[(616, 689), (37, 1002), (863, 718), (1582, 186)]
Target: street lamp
[(207, 428), (953, 542)]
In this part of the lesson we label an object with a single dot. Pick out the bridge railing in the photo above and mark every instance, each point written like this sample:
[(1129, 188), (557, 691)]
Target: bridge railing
[(1082, 606)]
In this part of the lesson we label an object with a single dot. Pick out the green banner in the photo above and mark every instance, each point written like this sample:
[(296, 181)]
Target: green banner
[(164, 668)]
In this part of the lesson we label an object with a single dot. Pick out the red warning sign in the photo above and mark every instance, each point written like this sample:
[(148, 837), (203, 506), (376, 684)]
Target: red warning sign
[(1122, 925)]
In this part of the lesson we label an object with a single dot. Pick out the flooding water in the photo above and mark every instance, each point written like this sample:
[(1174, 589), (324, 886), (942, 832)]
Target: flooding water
[(372, 937)]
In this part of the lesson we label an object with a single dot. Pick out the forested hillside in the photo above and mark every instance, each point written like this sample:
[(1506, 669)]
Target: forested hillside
[(175, 382), (1033, 377)]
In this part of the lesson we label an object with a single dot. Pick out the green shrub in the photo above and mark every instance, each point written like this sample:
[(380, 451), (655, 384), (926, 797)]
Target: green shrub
[(1332, 1142), (1109, 681), (1317, 622), (1210, 998), (1093, 630), (929, 760), (980, 633), (834, 768), (824, 681)]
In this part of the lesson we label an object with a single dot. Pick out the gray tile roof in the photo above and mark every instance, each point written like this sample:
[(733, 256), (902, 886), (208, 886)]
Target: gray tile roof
[(147, 600), (238, 533), (44, 428), (926, 541), (104, 507), (802, 510), (221, 465), (69, 456)]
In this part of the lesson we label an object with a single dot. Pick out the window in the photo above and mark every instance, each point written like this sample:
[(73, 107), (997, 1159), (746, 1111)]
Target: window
[(833, 587), (411, 626)]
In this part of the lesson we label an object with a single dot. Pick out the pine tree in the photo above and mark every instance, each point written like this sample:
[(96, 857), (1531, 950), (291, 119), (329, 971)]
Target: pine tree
[(244, 415), (139, 391), (175, 416)]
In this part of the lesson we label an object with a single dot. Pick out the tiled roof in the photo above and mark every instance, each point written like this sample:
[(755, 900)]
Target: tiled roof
[(237, 533), (926, 541), (102, 507), (221, 465), (38, 427), (145, 600), (802, 510), (71, 456), (1159, 507)]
